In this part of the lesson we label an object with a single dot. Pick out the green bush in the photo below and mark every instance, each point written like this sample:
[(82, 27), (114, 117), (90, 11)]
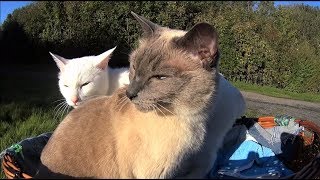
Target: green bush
[(260, 43)]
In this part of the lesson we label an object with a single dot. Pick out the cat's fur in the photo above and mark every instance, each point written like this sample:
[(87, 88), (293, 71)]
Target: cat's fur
[(174, 123), (86, 77)]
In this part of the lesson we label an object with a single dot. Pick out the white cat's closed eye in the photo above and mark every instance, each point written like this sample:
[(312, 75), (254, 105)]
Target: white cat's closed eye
[(84, 84)]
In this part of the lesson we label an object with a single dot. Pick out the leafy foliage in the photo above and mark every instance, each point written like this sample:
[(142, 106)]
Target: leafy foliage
[(260, 43)]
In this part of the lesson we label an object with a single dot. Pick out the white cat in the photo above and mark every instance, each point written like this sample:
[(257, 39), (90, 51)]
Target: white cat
[(86, 77)]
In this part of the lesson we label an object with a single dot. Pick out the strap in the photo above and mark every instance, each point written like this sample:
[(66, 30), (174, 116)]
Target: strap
[(12, 169)]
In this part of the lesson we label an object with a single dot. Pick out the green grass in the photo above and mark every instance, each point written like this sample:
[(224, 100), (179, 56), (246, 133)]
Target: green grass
[(28, 96), (24, 125), (275, 92), (20, 121), (27, 103), (250, 113)]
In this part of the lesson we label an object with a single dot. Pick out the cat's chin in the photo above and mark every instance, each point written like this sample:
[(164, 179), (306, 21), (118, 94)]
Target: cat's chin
[(75, 106)]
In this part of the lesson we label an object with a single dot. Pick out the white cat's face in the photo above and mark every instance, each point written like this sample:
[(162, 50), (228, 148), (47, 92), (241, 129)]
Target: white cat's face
[(83, 78)]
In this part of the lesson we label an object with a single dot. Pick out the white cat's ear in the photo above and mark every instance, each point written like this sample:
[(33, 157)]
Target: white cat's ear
[(60, 61), (104, 58)]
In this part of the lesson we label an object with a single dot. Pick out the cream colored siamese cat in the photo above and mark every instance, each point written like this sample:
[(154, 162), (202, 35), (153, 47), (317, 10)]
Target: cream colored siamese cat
[(87, 77), (168, 123)]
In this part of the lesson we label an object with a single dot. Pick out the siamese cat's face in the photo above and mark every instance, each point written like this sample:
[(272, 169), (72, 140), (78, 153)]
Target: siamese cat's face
[(172, 68)]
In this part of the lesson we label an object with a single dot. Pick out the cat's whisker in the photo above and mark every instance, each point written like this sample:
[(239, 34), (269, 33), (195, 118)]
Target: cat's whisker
[(58, 105), (122, 106), (154, 110), (59, 109), (56, 114), (168, 102), (165, 108), (157, 108), (125, 102), (164, 115), (58, 100), (61, 106), (68, 108), (55, 111), (63, 110), (123, 99), (178, 101), (119, 102)]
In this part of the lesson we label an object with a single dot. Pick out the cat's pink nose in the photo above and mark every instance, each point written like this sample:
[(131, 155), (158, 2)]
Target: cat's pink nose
[(75, 100)]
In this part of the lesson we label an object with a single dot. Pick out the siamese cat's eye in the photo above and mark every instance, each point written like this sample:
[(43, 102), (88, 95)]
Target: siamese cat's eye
[(85, 84), (66, 86), (159, 77)]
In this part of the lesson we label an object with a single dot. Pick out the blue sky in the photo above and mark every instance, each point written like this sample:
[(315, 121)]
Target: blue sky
[(7, 7), (311, 3)]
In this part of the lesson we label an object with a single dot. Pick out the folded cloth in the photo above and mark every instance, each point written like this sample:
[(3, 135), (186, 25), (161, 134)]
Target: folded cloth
[(250, 151), (281, 138), (251, 161)]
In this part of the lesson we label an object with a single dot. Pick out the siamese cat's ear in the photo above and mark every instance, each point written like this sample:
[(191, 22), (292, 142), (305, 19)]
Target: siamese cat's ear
[(148, 27), (60, 61), (104, 58), (202, 41)]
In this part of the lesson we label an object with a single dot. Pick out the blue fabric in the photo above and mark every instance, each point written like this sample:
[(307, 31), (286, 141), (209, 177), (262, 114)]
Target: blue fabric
[(249, 160), (252, 152), (281, 139)]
